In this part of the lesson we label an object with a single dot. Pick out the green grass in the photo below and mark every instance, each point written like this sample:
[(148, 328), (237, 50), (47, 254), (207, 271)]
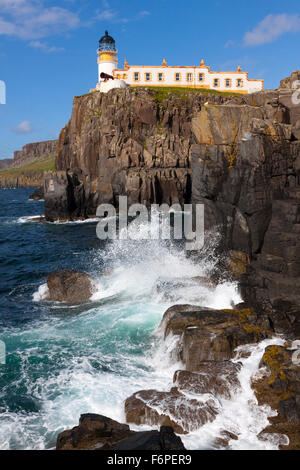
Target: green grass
[(44, 164), (162, 93)]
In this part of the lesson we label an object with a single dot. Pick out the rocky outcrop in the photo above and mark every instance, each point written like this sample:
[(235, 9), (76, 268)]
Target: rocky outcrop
[(21, 179), (245, 170), (289, 81), (96, 432), (127, 142), (31, 153), (207, 340), (206, 346), (5, 163), (279, 387), (27, 167), (69, 286), (38, 194)]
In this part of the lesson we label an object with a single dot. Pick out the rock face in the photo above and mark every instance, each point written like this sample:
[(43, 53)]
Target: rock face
[(38, 194), (22, 179), (5, 163), (280, 389), (69, 286), (245, 170), (96, 432), (288, 81), (127, 142)]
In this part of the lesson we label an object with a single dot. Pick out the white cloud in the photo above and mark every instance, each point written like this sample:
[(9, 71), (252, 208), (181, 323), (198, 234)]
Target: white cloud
[(271, 27), (106, 15), (114, 16), (24, 127), (44, 47), (30, 19)]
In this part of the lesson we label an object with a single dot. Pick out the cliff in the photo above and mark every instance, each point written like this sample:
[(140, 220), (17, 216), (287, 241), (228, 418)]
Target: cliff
[(134, 142), (239, 155), (28, 166), (5, 163), (34, 152)]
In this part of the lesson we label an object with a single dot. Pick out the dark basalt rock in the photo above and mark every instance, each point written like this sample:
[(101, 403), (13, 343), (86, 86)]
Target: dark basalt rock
[(38, 194), (69, 286), (96, 432), (212, 335), (279, 387), (219, 378), (171, 408)]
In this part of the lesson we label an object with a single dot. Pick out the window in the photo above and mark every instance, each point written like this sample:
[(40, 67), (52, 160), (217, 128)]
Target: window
[(189, 77), (160, 77), (227, 82), (177, 77), (239, 83), (147, 77), (201, 77), (136, 76), (216, 82)]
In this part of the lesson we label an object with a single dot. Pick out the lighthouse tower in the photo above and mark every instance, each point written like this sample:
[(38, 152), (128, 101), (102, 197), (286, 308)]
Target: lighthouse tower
[(107, 63), (107, 56)]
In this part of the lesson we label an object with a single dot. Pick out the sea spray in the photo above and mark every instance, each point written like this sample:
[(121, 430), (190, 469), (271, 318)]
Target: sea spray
[(66, 360)]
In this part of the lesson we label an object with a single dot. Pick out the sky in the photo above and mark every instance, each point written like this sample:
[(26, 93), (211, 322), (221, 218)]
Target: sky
[(48, 49)]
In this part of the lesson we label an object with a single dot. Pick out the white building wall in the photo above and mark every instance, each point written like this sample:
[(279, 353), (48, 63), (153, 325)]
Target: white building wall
[(248, 86), (106, 67)]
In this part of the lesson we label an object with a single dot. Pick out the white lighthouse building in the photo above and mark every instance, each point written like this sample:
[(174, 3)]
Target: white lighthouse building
[(107, 63), (164, 75)]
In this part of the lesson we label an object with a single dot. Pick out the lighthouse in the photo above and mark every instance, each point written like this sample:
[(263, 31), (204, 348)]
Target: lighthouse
[(107, 64), (107, 56)]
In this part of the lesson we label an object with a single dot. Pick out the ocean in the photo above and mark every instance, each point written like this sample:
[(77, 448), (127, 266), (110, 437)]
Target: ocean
[(65, 360)]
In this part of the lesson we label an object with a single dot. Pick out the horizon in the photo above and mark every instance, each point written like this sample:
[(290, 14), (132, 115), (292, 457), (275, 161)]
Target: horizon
[(48, 52)]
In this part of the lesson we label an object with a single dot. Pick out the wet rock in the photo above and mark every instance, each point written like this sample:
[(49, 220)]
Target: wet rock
[(69, 286), (96, 432), (212, 335), (173, 408), (279, 387), (222, 442), (38, 194), (219, 378), (165, 439)]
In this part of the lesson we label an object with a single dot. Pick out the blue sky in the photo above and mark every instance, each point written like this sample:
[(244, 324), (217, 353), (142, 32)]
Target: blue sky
[(48, 49)]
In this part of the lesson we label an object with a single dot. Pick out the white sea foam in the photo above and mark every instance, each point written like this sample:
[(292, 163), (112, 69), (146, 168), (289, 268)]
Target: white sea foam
[(241, 415), (109, 350), (41, 293), (27, 219)]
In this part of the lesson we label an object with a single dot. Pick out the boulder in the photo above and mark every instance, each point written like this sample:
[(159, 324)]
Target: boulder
[(38, 194), (184, 414), (219, 378), (96, 432), (212, 335), (69, 286)]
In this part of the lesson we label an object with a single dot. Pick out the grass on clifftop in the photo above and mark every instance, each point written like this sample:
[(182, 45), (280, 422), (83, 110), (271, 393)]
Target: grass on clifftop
[(44, 164), (162, 93)]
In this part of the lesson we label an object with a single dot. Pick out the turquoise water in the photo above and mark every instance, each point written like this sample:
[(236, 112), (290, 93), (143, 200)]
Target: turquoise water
[(66, 360)]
